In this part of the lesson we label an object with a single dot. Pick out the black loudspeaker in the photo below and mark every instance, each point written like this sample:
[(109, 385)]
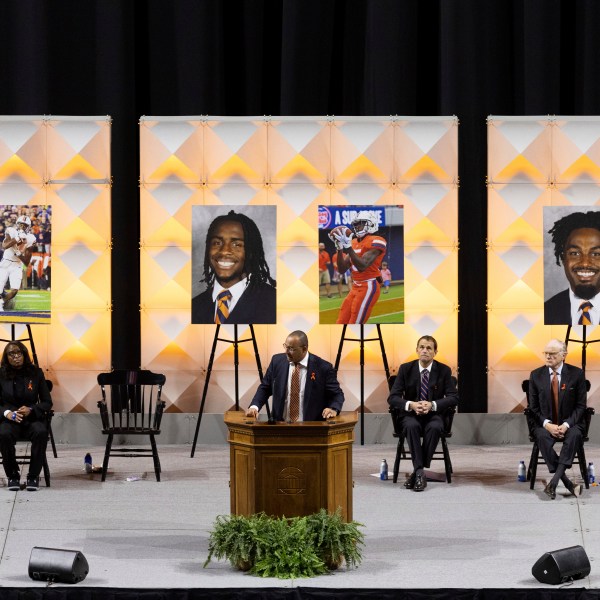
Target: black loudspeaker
[(61, 566), (562, 565)]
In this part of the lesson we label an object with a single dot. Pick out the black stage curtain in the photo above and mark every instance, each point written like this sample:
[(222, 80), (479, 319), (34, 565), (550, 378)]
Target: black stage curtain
[(298, 593), (470, 58)]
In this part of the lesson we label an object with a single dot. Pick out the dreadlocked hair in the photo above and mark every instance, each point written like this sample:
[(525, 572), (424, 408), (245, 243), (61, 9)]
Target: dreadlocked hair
[(562, 229), (255, 263)]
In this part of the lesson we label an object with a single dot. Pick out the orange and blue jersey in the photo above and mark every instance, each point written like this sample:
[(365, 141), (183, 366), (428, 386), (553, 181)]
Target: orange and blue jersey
[(361, 247)]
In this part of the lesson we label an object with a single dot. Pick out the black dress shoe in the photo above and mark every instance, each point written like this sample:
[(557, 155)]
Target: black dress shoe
[(409, 484), (550, 491), (574, 490), (420, 482)]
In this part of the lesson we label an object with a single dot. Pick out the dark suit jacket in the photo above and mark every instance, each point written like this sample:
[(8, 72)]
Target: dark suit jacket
[(29, 390), (571, 395), (321, 391), (557, 310), (256, 305), (408, 383)]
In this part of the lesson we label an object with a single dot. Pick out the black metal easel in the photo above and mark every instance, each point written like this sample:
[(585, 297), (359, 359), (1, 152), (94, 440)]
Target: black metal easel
[(362, 341), (583, 341), (29, 339), (236, 342)]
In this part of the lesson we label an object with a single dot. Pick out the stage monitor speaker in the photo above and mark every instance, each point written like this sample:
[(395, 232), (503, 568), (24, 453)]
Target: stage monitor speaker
[(54, 564), (562, 565)]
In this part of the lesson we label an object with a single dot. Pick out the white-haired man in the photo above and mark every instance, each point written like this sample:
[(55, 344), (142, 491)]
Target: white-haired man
[(557, 399), (17, 246), (362, 253)]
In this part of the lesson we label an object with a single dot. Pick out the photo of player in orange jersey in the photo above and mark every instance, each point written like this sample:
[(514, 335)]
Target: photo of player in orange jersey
[(361, 239)]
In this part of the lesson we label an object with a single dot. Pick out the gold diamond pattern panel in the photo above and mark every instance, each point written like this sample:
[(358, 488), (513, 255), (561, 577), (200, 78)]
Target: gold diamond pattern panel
[(294, 164), (533, 163), (64, 163)]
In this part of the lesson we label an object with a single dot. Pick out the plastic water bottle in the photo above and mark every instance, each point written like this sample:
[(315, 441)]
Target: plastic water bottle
[(521, 474), (87, 463), (383, 470), (591, 473)]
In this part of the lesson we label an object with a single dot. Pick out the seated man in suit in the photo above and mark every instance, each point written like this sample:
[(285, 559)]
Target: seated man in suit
[(557, 399), (422, 391), (240, 287), (304, 387), (576, 239)]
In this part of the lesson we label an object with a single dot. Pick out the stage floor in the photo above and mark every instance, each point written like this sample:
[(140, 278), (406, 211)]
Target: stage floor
[(484, 530)]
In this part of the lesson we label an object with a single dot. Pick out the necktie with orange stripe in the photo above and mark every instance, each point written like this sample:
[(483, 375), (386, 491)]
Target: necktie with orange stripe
[(585, 318), (222, 313)]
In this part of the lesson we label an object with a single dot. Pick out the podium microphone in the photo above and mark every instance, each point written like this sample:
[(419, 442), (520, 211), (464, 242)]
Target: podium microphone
[(270, 419)]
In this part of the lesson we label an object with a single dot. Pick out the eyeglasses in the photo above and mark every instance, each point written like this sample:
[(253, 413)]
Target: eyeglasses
[(551, 354), (291, 348), (15, 353)]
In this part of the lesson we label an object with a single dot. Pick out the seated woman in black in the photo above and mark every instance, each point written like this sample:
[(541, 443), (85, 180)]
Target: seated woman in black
[(24, 401)]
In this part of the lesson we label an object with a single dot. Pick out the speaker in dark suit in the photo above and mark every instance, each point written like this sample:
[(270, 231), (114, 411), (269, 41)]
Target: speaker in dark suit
[(317, 394)]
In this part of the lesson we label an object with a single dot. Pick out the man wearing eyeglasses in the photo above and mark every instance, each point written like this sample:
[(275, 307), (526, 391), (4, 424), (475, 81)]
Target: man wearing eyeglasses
[(304, 387), (557, 399)]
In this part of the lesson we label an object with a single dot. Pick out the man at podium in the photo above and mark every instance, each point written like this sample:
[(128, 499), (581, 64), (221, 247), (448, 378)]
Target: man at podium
[(304, 387)]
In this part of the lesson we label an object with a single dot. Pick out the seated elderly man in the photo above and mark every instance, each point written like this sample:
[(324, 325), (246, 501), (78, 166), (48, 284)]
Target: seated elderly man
[(557, 399)]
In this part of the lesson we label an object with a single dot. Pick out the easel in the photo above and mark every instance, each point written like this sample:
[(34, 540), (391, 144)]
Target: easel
[(236, 343), (29, 339), (583, 341), (362, 341)]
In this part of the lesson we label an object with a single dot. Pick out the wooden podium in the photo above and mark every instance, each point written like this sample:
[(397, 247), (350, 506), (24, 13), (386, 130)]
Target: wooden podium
[(290, 469)]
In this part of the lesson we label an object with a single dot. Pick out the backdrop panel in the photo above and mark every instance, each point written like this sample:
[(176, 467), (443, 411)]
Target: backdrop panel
[(533, 162), (64, 163), (295, 164)]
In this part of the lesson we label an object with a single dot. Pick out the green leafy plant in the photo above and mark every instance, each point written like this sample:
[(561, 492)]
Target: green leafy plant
[(234, 538), (286, 548), (335, 539)]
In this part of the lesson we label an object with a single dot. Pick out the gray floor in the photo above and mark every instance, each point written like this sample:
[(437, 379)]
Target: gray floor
[(485, 530)]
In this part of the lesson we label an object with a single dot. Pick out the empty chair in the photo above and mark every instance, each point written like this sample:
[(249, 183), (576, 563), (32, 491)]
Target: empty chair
[(131, 405)]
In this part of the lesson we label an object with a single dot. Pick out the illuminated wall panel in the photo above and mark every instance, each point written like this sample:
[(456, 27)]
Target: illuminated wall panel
[(532, 162), (64, 162), (295, 164)]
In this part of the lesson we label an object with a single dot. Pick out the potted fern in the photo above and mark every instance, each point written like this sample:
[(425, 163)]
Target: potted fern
[(336, 540), (234, 538), (286, 548)]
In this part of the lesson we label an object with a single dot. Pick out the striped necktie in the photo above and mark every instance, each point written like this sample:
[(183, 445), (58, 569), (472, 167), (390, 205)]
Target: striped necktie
[(585, 318), (554, 385), (295, 394), (424, 391), (222, 313)]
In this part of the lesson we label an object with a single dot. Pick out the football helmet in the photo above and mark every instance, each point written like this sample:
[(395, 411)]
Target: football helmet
[(24, 222), (369, 222)]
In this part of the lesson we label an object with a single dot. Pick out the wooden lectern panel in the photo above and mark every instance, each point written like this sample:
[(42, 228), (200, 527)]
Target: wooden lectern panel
[(291, 483), (291, 469)]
